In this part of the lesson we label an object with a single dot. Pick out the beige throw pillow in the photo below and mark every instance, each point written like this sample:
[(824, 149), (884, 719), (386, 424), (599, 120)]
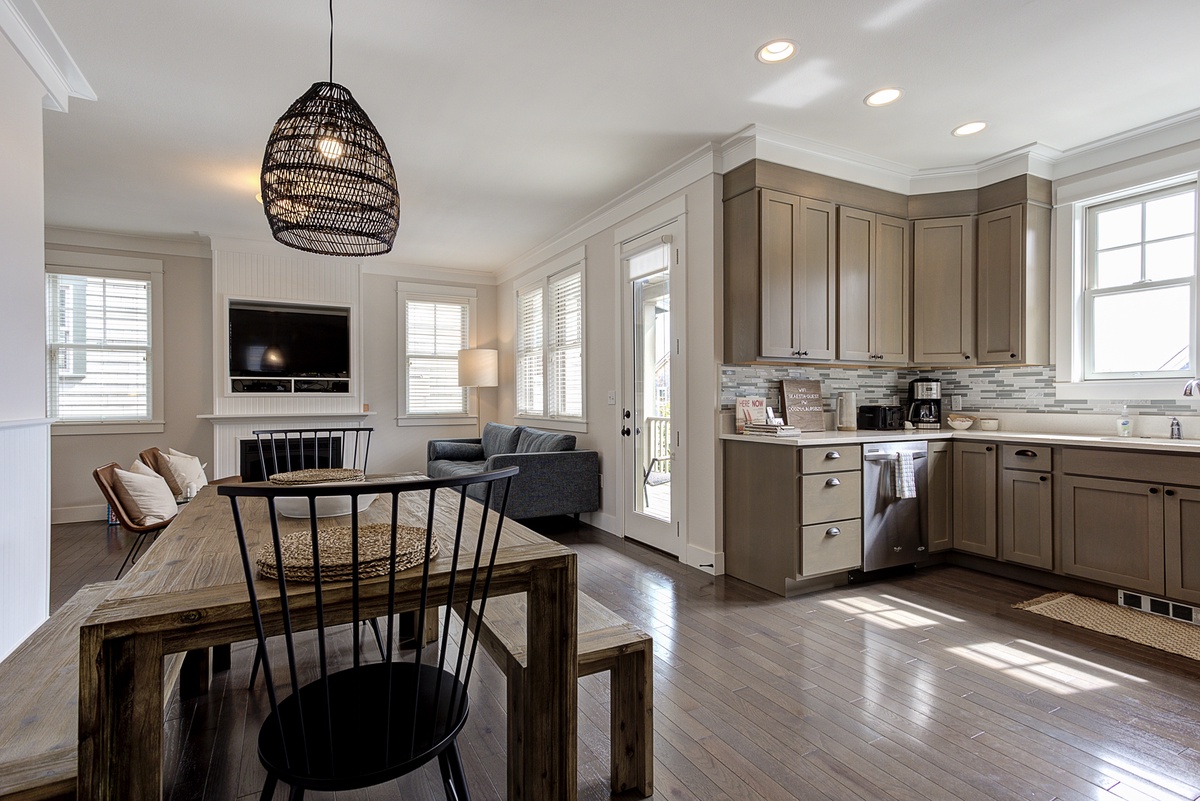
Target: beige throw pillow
[(147, 498), (186, 469)]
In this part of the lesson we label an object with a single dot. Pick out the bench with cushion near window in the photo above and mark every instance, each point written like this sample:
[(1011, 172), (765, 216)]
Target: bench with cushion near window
[(555, 479)]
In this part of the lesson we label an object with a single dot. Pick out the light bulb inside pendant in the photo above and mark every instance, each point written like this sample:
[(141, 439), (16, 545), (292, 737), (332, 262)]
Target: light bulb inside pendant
[(330, 146)]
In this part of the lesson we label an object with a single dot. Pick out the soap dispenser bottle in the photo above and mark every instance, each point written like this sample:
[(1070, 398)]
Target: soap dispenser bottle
[(1124, 424)]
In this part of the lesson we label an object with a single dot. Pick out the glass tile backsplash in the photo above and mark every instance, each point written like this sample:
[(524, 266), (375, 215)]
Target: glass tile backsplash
[(1022, 389)]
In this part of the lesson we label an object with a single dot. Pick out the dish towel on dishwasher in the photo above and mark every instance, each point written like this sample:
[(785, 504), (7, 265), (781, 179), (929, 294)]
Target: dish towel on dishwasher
[(906, 480)]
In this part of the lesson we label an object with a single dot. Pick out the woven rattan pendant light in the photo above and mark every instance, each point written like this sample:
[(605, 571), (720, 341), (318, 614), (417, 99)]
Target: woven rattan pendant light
[(327, 180)]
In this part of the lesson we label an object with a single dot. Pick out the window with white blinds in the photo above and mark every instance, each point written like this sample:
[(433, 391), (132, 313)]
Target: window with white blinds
[(550, 346), (99, 340), (435, 330)]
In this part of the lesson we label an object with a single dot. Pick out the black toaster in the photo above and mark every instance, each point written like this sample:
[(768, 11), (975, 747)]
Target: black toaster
[(880, 418)]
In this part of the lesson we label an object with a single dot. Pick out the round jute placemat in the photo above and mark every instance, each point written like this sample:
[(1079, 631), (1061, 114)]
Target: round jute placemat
[(335, 544), (318, 476)]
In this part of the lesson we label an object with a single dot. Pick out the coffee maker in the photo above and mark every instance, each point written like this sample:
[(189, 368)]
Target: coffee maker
[(925, 403)]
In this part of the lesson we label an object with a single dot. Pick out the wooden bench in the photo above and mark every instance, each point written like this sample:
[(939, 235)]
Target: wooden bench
[(39, 719), (606, 642)]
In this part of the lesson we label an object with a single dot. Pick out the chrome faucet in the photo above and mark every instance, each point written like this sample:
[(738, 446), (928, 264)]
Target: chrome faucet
[(1176, 430), (1191, 385)]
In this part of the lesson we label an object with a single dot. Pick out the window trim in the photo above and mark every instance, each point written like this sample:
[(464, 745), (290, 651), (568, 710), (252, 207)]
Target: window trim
[(1073, 196), (63, 262), (572, 261), (431, 292)]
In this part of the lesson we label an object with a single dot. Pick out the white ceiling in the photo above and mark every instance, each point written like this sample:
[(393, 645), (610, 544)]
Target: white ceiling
[(510, 121)]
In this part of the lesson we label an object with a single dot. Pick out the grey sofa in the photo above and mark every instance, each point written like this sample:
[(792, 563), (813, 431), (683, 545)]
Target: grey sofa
[(555, 479)]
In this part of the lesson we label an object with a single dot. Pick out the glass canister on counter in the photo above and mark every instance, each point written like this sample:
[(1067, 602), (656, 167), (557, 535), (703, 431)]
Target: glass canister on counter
[(846, 412)]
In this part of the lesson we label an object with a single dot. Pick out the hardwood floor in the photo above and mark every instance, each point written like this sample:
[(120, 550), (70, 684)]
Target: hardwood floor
[(925, 687)]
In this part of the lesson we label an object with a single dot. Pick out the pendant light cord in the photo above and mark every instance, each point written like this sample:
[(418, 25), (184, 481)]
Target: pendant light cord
[(331, 41)]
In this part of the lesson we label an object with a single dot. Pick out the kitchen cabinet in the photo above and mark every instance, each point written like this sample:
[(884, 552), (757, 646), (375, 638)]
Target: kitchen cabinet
[(944, 291), (1013, 279), (1027, 506), (874, 285), (780, 285), (939, 524), (791, 513), (1112, 532), (974, 472), (1181, 533)]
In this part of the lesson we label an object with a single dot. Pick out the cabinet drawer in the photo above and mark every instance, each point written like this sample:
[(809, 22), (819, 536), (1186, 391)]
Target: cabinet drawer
[(1027, 457), (828, 547), (830, 496), (830, 458)]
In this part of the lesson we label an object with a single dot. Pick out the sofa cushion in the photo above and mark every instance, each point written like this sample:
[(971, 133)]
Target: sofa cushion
[(499, 438), (535, 441), (445, 468)]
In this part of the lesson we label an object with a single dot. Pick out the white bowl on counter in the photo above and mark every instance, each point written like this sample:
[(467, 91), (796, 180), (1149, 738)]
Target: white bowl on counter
[(961, 424), (989, 423)]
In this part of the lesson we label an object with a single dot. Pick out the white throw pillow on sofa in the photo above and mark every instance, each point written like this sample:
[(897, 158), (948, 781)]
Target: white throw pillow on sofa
[(185, 468), (147, 498)]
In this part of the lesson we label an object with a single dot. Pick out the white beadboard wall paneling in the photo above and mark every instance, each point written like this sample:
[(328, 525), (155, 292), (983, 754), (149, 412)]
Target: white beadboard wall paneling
[(24, 530), (260, 276)]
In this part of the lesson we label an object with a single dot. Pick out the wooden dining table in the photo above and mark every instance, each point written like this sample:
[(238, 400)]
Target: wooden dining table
[(188, 592)]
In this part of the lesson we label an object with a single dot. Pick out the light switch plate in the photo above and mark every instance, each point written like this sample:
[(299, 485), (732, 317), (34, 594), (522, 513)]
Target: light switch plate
[(956, 402), (612, 397)]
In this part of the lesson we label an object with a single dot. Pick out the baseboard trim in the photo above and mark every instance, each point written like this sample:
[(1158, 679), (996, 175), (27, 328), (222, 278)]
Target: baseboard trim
[(602, 521), (79, 514)]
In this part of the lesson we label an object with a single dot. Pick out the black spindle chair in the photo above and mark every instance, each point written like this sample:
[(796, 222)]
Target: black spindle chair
[(285, 450), (338, 726)]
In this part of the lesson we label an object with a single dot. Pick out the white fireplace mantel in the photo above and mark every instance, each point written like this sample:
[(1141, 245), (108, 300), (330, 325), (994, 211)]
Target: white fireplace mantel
[(230, 429)]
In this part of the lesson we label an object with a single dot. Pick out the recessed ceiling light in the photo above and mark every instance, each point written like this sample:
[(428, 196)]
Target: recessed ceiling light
[(969, 128), (777, 50), (882, 97)]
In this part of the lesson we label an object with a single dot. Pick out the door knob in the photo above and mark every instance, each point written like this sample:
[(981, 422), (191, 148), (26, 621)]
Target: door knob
[(627, 414), (625, 431)]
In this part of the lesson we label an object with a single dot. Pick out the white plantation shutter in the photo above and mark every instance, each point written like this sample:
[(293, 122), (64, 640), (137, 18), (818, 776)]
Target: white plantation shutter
[(530, 351), (565, 334), (98, 348), (435, 330)]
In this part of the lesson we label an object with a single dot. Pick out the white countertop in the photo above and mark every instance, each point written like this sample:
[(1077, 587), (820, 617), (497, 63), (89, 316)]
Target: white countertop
[(1087, 440)]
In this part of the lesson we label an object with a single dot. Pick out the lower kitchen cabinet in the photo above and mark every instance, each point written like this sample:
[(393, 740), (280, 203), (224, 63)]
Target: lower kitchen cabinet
[(1112, 531), (974, 470), (939, 523), (1027, 506), (1181, 521)]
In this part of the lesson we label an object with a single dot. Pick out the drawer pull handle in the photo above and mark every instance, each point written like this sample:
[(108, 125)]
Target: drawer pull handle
[(833, 531), (833, 455), (1026, 452), (1043, 478), (1154, 490), (832, 482), (1170, 493)]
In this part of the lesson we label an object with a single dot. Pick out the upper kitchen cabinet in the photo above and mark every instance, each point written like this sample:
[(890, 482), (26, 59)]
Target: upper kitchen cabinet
[(780, 293), (1013, 272), (944, 291), (873, 287)]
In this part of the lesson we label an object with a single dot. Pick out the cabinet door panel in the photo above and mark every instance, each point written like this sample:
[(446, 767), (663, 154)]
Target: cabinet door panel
[(1000, 269), (1182, 529), (816, 278), (944, 291), (780, 215), (975, 498), (890, 290), (1112, 531), (856, 244), (939, 527), (1027, 518)]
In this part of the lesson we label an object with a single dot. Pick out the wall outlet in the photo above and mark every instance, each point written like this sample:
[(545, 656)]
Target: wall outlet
[(956, 403), (612, 397)]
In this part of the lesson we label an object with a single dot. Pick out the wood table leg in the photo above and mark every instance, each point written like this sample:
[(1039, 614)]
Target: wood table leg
[(222, 658), (195, 676), (120, 717), (550, 726), (632, 727)]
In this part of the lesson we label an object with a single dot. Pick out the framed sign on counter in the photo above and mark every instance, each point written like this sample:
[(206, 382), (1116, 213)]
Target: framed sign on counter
[(802, 404)]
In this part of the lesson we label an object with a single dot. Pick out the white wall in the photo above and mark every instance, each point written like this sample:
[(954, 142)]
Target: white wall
[(24, 433)]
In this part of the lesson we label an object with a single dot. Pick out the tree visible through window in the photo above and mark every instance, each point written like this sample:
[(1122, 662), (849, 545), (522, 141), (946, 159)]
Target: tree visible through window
[(1139, 300)]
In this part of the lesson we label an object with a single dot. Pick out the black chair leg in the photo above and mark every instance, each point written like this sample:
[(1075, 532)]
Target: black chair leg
[(137, 545), (378, 637), (258, 659), (268, 790), (297, 794), (452, 774)]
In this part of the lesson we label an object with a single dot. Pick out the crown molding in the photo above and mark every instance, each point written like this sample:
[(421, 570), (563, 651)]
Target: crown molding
[(1154, 137), (695, 166), (438, 274), (33, 37), (196, 247)]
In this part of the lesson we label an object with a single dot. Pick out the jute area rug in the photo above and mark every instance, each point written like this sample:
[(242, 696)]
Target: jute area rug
[(1163, 633)]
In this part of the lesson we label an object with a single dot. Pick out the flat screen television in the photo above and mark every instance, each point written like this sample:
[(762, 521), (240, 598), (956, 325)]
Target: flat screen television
[(288, 341)]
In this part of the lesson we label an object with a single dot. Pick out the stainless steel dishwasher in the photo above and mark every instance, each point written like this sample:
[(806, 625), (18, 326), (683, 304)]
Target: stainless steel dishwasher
[(893, 525)]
